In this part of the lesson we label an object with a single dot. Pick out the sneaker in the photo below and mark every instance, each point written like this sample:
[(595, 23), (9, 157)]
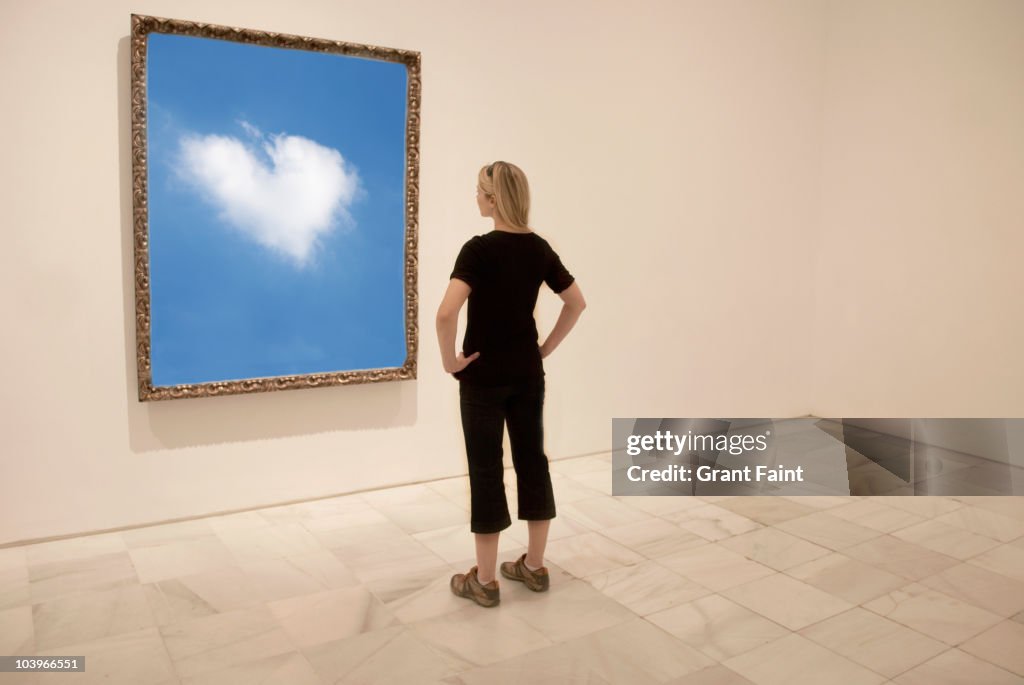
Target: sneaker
[(538, 580), (467, 585)]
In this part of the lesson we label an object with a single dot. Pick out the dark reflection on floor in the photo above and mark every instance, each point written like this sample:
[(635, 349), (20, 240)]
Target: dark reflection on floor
[(889, 464)]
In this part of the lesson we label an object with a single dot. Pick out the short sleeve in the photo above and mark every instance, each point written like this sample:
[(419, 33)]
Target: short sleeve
[(468, 265), (557, 277)]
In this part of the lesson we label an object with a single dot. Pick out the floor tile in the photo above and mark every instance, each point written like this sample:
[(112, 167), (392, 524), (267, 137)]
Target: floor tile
[(717, 627), (477, 636), (279, 579), (600, 481), (982, 588), (598, 513), (14, 578), (821, 502), (653, 538), (661, 505), (391, 583), (712, 522), (775, 548), (455, 490), (55, 579), (713, 675), (135, 657), (273, 541), (631, 652), (221, 641), (314, 619), (715, 567), (952, 541), (928, 507), (589, 554), (323, 527), (765, 509), (900, 557), (388, 656), (578, 465), (289, 668), (846, 578), (646, 587), (933, 613), (454, 543), (568, 490), (875, 514), (562, 526), (415, 517), (203, 594), (874, 642), (983, 522), (1000, 645), (91, 616), (180, 558), (956, 667), (1007, 506), (16, 631), (15, 559), (1007, 560), (568, 610), (795, 660), (786, 600), (14, 587), (828, 531)]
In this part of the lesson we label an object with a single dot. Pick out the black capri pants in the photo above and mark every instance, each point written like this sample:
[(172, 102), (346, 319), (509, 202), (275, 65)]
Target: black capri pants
[(485, 411)]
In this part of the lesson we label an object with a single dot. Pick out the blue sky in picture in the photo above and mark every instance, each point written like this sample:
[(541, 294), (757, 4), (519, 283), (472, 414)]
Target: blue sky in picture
[(276, 211)]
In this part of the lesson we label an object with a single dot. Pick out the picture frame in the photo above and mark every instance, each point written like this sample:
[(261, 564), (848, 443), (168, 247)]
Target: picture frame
[(271, 261)]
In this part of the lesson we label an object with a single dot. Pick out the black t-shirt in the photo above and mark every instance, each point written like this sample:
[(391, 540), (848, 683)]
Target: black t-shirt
[(504, 271)]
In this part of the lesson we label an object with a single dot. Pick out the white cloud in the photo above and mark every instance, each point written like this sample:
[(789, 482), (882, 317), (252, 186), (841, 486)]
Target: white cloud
[(286, 201), (251, 130)]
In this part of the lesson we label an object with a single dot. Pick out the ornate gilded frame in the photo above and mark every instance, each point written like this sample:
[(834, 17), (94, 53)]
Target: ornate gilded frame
[(141, 27)]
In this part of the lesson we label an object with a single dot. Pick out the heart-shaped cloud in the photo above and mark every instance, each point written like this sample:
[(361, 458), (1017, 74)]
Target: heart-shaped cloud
[(302, 191)]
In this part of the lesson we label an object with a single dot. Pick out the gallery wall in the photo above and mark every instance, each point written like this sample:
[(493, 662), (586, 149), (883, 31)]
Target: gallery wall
[(708, 171), (918, 276)]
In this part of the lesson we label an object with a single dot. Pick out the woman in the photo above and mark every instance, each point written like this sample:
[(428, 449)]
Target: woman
[(501, 376)]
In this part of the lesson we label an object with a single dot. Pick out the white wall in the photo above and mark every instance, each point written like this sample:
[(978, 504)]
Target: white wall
[(918, 278), (674, 152)]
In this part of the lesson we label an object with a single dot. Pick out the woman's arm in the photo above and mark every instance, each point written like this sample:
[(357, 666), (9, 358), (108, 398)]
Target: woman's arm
[(573, 306), (447, 325)]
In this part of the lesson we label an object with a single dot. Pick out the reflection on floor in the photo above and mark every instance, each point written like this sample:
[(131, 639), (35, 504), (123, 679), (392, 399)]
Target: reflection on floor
[(682, 590), (887, 464)]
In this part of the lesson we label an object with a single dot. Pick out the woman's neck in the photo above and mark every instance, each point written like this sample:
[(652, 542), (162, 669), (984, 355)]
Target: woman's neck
[(509, 229)]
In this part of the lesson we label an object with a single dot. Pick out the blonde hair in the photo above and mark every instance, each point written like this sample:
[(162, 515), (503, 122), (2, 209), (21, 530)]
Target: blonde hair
[(507, 184)]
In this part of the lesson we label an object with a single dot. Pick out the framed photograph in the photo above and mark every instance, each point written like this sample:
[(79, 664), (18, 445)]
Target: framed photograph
[(275, 199)]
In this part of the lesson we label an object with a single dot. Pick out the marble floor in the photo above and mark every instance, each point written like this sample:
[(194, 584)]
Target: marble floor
[(681, 590)]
